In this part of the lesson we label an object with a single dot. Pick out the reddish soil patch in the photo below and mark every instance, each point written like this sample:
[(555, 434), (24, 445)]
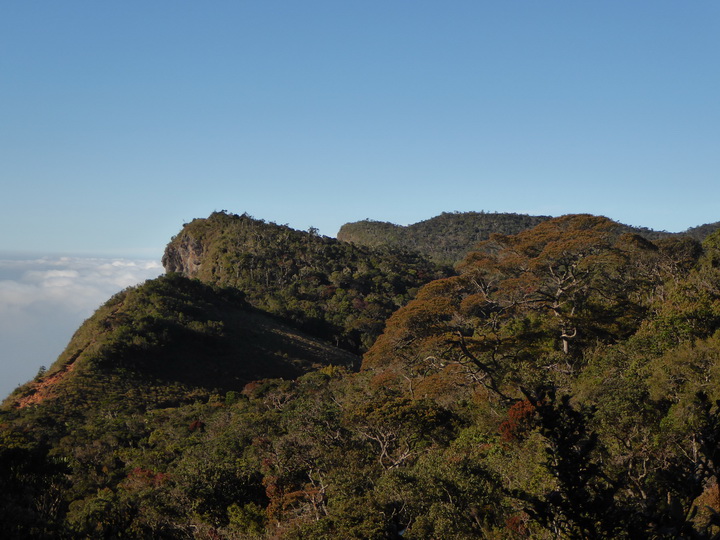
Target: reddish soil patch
[(43, 389)]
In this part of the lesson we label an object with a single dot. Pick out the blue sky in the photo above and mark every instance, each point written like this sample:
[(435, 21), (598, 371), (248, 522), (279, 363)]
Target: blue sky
[(119, 121)]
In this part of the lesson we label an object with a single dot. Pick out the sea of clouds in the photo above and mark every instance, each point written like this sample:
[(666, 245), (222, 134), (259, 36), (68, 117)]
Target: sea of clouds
[(44, 300)]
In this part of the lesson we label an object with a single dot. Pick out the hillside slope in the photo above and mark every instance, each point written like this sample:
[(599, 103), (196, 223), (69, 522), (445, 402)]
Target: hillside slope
[(175, 337)]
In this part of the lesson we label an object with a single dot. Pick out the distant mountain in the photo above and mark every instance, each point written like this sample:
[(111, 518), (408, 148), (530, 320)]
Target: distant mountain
[(447, 238), (701, 232)]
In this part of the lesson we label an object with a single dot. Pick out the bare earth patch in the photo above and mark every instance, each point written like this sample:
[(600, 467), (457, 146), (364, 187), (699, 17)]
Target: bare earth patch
[(43, 389)]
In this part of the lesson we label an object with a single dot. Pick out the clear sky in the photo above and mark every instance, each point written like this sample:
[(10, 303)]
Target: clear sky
[(119, 121)]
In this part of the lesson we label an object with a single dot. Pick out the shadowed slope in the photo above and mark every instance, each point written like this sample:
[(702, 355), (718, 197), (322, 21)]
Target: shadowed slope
[(181, 335)]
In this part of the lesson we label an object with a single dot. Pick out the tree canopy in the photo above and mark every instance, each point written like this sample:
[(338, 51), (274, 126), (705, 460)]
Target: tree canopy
[(564, 383)]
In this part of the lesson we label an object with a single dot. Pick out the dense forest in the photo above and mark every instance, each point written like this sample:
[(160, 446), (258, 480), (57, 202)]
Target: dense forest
[(449, 237), (562, 380), (446, 238)]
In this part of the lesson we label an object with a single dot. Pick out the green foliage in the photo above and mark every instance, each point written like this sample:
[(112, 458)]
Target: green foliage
[(449, 237), (445, 239), (582, 503), (173, 334), (564, 385)]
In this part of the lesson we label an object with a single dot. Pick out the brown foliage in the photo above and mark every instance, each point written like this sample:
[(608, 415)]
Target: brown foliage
[(519, 420)]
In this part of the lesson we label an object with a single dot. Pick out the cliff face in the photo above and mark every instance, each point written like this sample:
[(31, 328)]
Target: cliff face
[(184, 256)]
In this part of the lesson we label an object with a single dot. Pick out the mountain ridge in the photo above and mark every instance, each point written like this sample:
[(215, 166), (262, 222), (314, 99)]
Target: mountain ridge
[(450, 236)]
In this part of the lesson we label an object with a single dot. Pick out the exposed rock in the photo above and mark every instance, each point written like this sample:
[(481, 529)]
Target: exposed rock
[(184, 257)]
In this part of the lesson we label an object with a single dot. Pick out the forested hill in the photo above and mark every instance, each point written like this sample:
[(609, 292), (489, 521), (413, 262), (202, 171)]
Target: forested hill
[(171, 338), (334, 290), (562, 383), (447, 238), (702, 231)]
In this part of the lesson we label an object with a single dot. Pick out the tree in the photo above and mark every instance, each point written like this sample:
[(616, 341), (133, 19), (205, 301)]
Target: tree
[(582, 505), (524, 304)]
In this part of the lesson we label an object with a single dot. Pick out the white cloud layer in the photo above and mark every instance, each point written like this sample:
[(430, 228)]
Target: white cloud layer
[(44, 300)]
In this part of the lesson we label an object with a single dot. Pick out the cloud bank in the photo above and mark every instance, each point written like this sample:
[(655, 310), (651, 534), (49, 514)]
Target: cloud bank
[(44, 300)]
